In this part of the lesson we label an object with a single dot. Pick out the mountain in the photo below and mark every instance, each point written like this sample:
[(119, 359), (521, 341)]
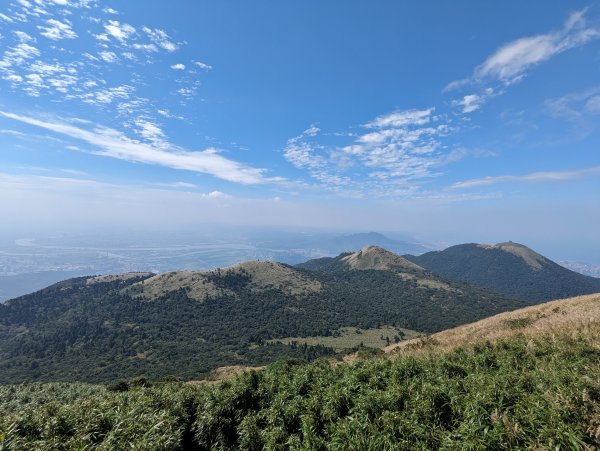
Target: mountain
[(186, 323), (344, 243), (508, 268)]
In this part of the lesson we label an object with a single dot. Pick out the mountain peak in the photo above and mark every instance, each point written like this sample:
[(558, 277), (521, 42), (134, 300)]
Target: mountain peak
[(260, 274), (375, 257), (532, 258)]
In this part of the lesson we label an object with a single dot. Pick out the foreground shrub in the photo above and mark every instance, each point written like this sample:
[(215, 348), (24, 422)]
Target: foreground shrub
[(536, 394)]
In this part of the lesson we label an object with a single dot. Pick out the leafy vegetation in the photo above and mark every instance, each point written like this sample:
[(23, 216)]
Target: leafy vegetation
[(504, 272), (106, 330), (541, 393)]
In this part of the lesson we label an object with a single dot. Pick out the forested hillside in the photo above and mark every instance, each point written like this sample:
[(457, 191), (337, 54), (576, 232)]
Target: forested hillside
[(508, 268), (538, 391), (186, 323)]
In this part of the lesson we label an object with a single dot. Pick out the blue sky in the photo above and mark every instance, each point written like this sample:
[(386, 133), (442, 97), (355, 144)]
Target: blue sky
[(459, 121)]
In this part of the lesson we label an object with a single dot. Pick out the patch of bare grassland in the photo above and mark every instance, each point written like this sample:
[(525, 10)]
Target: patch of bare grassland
[(574, 317), (116, 277), (197, 284), (351, 337), (200, 285), (266, 274), (532, 258), (375, 257)]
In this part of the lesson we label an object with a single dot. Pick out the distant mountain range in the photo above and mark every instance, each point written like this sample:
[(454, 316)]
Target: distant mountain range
[(31, 264), (508, 268), (582, 268), (186, 323)]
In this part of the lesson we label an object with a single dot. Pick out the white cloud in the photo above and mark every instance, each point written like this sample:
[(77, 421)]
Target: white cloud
[(535, 177), (202, 65), (402, 118), (109, 57), (102, 37), (472, 102), (17, 55), (216, 195), (391, 158), (112, 143), (119, 31), (56, 30), (510, 62), (151, 132), (145, 47), (110, 11), (187, 92), (13, 78), (6, 18), (593, 104), (178, 66), (161, 39), (575, 105), (23, 37), (106, 96), (179, 185)]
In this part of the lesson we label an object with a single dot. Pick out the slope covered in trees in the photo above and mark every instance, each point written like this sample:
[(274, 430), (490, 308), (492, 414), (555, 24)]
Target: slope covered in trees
[(185, 324), (508, 268), (535, 392)]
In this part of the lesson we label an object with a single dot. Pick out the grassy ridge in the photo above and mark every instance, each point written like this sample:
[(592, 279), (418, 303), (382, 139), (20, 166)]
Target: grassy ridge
[(520, 392)]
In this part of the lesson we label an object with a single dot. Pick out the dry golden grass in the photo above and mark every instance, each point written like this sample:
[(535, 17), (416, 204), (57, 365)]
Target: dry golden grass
[(263, 275), (198, 285), (115, 277), (532, 258), (374, 257), (267, 274), (350, 337), (578, 316)]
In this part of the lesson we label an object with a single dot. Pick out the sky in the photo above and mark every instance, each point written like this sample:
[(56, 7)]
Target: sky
[(455, 121)]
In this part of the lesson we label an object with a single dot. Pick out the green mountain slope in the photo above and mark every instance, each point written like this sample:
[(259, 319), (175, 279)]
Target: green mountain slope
[(513, 391), (187, 323), (508, 268)]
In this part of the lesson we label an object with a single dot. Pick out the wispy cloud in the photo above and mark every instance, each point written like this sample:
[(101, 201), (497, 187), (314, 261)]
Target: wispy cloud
[(112, 143), (161, 39), (472, 102), (119, 31), (178, 66), (534, 177), (510, 62), (575, 105), (202, 65), (56, 30)]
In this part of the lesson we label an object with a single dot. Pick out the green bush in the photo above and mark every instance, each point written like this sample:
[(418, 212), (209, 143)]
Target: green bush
[(516, 394)]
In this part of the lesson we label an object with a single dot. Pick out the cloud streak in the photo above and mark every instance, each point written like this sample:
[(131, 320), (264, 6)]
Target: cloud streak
[(534, 177), (510, 62), (112, 143)]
